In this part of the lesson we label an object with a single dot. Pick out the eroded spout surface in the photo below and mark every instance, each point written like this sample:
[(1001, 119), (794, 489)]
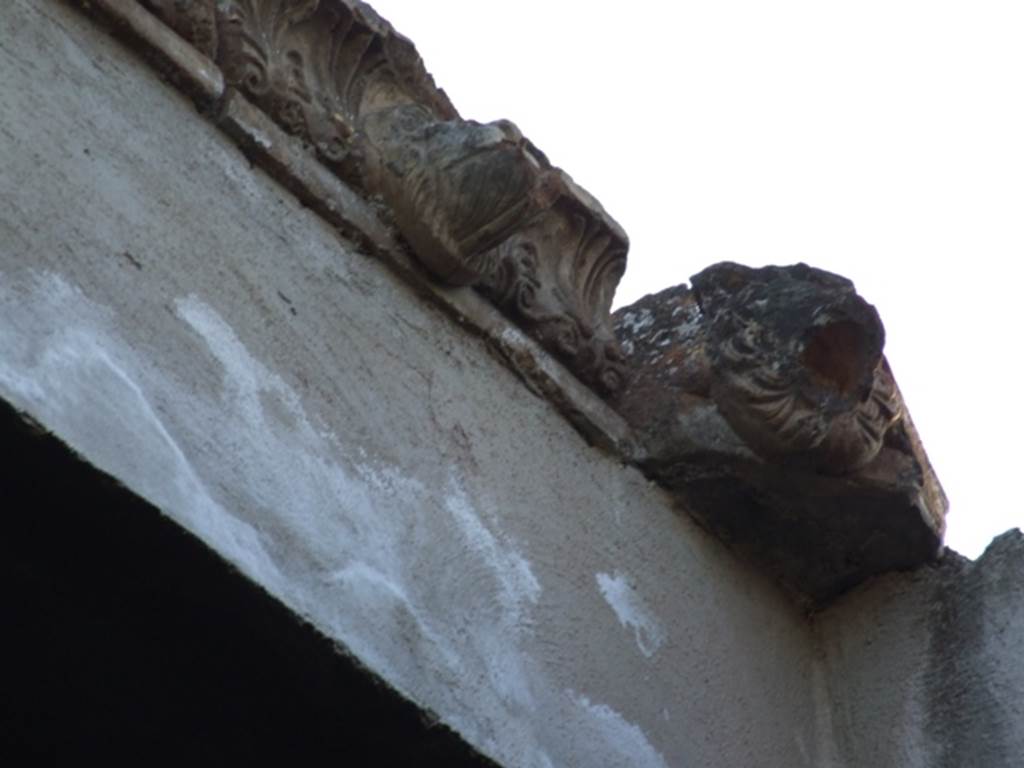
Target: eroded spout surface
[(796, 367)]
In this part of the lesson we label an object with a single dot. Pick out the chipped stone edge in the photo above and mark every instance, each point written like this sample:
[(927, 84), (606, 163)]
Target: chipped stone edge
[(361, 221), (934, 503)]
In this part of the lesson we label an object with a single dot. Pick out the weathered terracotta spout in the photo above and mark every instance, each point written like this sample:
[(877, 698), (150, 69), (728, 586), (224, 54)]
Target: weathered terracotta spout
[(764, 402), (796, 364)]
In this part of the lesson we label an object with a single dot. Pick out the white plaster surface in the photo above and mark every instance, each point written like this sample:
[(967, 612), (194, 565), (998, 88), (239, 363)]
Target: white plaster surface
[(613, 741), (926, 670), (184, 324)]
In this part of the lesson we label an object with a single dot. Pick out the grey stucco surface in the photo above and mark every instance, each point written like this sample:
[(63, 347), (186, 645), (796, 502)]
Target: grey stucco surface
[(184, 324), (926, 670)]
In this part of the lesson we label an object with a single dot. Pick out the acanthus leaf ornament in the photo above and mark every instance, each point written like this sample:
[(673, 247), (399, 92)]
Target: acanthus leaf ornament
[(466, 196)]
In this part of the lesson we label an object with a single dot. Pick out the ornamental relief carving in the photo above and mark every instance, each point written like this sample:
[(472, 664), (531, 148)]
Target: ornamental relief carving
[(765, 404), (796, 364), (478, 204), (457, 189), (760, 397), (557, 278), (789, 357), (308, 64), (315, 66)]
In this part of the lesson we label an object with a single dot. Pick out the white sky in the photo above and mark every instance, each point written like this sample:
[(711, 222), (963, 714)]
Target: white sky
[(880, 139)]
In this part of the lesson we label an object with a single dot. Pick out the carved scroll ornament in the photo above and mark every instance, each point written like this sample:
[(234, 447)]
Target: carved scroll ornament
[(457, 189), (478, 204), (482, 206), (317, 67), (557, 277)]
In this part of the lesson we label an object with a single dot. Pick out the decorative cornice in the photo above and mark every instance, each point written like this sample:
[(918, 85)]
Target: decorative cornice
[(456, 189), (478, 204), (557, 278), (317, 67), (792, 446), (482, 206)]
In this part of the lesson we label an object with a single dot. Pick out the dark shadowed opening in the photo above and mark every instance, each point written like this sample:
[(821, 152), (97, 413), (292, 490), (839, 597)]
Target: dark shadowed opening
[(836, 353), (128, 640)]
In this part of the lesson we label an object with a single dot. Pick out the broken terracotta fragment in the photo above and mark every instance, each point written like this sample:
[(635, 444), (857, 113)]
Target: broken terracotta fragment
[(766, 404), (457, 189)]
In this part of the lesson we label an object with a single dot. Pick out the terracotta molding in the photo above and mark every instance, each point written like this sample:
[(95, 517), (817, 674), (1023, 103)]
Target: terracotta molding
[(760, 398), (166, 35), (478, 204)]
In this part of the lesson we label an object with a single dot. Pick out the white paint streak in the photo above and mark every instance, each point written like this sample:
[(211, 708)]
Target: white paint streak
[(76, 382), (384, 593), (245, 376), (622, 743), (388, 588), (632, 611), (354, 544), (512, 571)]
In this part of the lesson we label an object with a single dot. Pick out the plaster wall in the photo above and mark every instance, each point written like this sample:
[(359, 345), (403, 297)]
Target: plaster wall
[(183, 323), (926, 670)]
